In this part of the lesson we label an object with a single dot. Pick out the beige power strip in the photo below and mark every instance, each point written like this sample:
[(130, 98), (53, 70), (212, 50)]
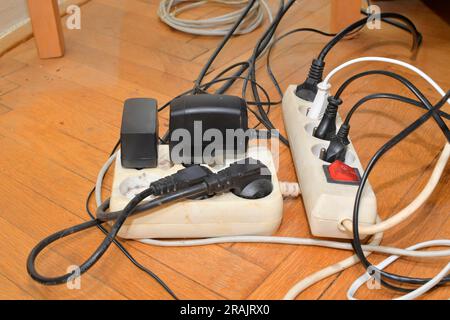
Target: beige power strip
[(222, 215), (326, 204)]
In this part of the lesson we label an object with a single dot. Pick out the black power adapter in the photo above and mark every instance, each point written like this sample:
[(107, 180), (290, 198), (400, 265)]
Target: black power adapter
[(139, 133), (196, 121)]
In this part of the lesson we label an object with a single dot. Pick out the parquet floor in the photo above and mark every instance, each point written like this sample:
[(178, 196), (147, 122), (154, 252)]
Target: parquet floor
[(59, 119)]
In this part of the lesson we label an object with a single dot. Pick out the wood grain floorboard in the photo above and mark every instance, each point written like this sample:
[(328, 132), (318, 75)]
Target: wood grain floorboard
[(59, 118)]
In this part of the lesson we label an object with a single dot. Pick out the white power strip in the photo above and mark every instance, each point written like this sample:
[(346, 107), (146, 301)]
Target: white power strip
[(222, 215), (326, 204)]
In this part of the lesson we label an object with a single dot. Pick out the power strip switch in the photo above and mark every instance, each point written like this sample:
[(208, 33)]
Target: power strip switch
[(328, 190)]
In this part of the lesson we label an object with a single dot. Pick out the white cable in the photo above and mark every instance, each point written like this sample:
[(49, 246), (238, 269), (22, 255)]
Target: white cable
[(406, 212), (289, 189), (264, 239), (294, 241), (215, 26), (320, 102), (312, 279), (419, 291), (101, 176)]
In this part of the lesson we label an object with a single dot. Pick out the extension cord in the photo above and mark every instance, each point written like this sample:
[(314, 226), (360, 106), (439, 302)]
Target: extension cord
[(327, 204), (222, 215)]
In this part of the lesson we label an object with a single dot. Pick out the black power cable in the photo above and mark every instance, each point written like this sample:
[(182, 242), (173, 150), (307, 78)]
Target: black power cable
[(264, 41), (308, 89), (128, 254), (415, 33), (219, 48), (356, 242), (122, 248), (407, 84), (190, 182), (389, 96)]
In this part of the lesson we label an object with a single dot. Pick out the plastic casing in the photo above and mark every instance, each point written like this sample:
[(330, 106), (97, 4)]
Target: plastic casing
[(326, 204), (222, 215)]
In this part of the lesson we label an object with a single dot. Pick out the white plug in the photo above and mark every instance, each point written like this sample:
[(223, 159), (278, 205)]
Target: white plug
[(320, 101)]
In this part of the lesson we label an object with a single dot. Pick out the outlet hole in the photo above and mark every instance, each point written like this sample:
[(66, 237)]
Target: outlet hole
[(319, 149)]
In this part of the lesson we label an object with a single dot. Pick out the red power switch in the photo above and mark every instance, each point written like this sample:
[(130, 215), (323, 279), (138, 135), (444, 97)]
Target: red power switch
[(339, 172)]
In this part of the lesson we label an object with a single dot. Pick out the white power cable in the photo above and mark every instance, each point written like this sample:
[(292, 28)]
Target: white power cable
[(320, 102), (216, 26), (419, 291), (312, 279), (290, 189), (406, 212)]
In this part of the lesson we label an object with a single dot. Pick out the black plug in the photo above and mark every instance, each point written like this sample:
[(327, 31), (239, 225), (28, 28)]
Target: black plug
[(338, 145), (308, 89), (247, 178), (182, 179), (326, 130)]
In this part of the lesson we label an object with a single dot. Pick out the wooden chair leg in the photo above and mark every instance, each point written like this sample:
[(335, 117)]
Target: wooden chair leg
[(47, 29), (343, 13)]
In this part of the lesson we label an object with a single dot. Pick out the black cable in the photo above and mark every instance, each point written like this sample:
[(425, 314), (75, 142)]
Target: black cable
[(415, 33), (101, 249), (407, 84), (121, 247), (219, 48), (356, 242), (390, 96), (278, 39), (128, 254), (251, 75), (243, 68), (257, 116), (397, 25)]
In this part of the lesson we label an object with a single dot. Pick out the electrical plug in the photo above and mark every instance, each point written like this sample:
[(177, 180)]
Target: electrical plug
[(326, 130), (308, 89), (338, 145), (320, 101), (247, 178)]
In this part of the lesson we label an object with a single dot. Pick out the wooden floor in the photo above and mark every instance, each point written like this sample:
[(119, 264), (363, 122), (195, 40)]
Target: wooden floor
[(60, 118)]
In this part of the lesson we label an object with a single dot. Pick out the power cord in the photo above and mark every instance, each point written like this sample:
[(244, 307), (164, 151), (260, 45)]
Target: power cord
[(216, 26), (309, 89), (193, 181), (356, 242)]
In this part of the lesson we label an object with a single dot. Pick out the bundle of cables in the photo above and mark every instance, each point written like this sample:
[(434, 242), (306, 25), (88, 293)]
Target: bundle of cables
[(249, 17), (215, 26)]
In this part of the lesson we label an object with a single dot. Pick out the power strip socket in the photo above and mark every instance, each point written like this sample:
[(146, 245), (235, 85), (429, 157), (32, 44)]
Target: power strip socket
[(222, 215), (326, 204)]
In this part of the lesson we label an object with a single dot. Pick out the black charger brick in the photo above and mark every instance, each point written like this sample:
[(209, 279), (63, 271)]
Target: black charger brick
[(139, 133)]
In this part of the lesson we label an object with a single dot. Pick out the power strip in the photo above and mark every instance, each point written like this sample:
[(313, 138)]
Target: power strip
[(222, 215), (326, 204)]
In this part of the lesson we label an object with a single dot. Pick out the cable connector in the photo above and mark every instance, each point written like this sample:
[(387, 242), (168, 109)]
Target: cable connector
[(338, 145), (326, 130), (182, 179), (320, 102), (308, 89), (248, 178)]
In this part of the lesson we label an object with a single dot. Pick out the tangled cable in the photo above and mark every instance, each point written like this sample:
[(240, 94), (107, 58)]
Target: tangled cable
[(169, 10)]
